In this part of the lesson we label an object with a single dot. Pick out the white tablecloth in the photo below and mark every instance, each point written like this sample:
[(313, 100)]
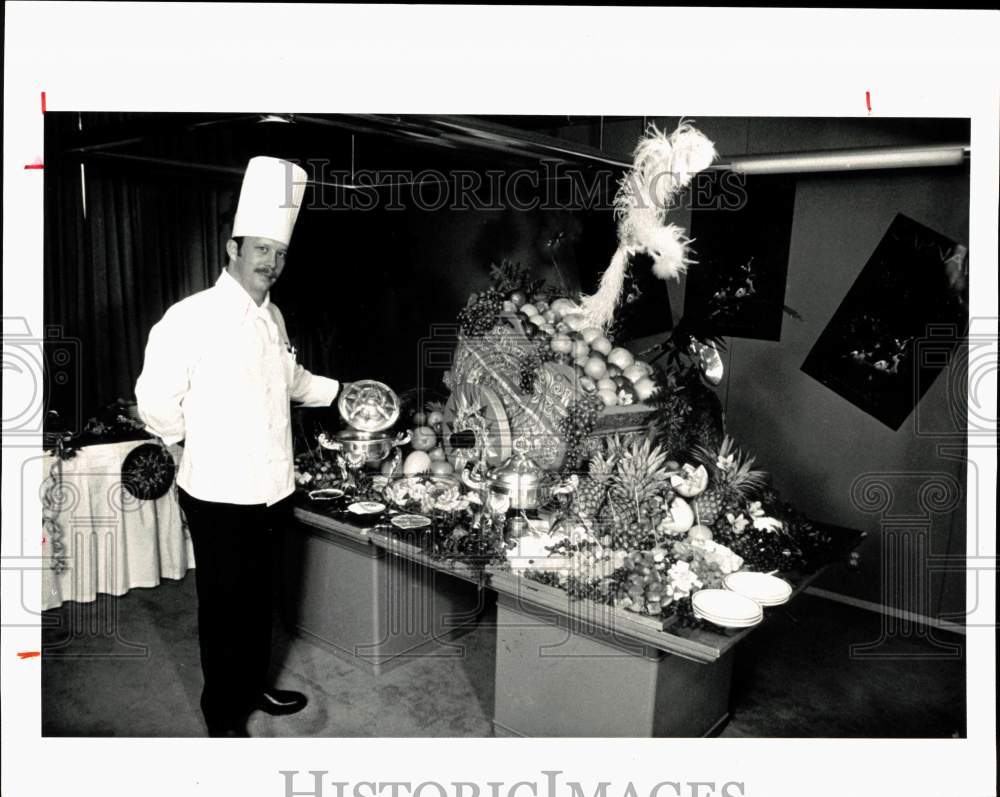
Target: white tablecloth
[(113, 541)]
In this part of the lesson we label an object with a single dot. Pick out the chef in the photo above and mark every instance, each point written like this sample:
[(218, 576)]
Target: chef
[(219, 374)]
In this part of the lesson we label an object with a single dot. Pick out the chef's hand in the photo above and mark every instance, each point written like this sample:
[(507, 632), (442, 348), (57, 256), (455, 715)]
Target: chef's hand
[(343, 387)]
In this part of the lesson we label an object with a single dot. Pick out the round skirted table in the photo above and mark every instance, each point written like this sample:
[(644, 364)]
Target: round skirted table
[(100, 538)]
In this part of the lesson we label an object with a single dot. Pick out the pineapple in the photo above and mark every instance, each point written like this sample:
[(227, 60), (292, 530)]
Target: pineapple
[(731, 481), (635, 493), (593, 489)]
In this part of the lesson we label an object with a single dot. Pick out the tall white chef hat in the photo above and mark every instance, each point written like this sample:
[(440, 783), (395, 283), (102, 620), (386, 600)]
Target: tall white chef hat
[(269, 199)]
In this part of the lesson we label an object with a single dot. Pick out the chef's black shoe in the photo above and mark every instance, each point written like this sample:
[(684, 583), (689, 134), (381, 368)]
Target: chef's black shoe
[(229, 731), (281, 701)]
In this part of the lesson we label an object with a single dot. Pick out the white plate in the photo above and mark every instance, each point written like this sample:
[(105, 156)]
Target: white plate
[(765, 589), (726, 608), (366, 508), (326, 494), (724, 623), (410, 521)]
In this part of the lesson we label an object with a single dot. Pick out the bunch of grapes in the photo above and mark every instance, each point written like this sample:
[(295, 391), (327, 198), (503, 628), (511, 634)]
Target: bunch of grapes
[(577, 426), (765, 550), (544, 351), (530, 363), (480, 315)]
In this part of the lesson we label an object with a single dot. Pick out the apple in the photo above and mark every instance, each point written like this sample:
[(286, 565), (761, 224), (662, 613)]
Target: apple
[(442, 467), (607, 383), (435, 419), (424, 438), (437, 454), (609, 397), (518, 299), (561, 344), (699, 532), (621, 357), (601, 344), (508, 307), (419, 418), (590, 334), (634, 372), (595, 368), (529, 310)]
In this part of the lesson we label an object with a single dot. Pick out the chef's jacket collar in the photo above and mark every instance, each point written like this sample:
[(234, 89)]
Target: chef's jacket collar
[(241, 300)]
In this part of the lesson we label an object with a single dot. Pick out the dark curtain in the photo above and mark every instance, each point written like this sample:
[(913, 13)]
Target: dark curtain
[(122, 243)]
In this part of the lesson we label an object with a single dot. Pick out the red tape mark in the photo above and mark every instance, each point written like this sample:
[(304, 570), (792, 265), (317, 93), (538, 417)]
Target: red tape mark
[(34, 166), (868, 100), (43, 102), (28, 654)]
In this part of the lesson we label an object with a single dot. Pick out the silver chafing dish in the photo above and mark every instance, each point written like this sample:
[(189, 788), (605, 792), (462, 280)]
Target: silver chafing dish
[(369, 408)]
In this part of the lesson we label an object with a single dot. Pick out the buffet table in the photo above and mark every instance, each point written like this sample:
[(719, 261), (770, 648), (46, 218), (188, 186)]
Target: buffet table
[(345, 592), (353, 584), (113, 541)]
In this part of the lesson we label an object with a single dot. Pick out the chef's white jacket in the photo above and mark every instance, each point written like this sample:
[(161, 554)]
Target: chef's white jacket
[(220, 374)]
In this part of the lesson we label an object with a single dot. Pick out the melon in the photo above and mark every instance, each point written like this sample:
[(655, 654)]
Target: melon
[(416, 462)]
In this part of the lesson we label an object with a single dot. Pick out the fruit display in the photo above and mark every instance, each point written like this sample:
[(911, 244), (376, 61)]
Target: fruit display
[(639, 498), (732, 480)]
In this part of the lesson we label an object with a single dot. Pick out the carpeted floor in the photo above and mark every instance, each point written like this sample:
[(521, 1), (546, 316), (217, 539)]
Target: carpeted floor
[(129, 667)]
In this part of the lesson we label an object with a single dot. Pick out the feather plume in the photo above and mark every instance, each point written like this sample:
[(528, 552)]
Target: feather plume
[(692, 152), (599, 309), (663, 165), (668, 247), (653, 165)]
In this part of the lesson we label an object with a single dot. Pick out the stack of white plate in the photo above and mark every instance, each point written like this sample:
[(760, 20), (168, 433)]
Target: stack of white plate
[(765, 589), (725, 608)]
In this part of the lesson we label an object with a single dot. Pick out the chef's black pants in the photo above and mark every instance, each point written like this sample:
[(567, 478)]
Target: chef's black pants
[(233, 560)]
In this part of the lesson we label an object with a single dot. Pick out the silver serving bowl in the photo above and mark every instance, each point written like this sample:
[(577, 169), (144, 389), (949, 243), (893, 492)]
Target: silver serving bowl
[(363, 448)]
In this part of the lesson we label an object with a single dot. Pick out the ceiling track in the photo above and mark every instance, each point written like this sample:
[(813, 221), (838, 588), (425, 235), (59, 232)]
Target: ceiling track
[(459, 133)]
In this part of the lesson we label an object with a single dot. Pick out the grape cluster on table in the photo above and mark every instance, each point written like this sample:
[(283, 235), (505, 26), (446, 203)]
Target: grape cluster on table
[(480, 315)]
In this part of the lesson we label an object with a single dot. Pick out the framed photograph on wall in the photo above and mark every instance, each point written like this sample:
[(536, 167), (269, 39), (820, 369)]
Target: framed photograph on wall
[(896, 328), (738, 284)]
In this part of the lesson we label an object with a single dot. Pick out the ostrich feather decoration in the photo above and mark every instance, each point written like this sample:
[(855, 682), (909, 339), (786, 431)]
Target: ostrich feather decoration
[(663, 165), (599, 309)]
